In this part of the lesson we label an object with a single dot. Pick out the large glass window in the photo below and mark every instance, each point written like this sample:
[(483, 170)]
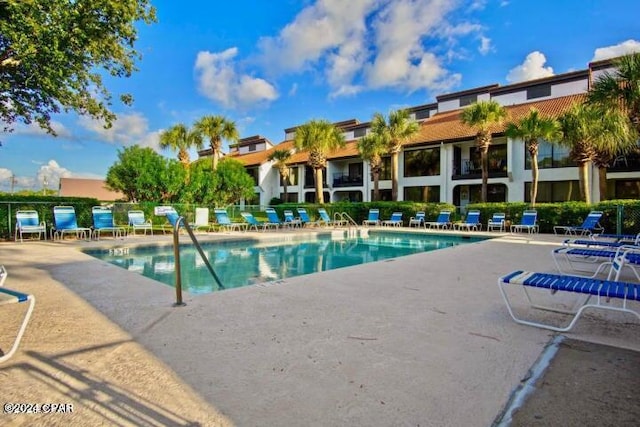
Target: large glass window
[(385, 169), (550, 156), (424, 162), (309, 177), (255, 174), (427, 194), (292, 179), (291, 197), (553, 191), (624, 188)]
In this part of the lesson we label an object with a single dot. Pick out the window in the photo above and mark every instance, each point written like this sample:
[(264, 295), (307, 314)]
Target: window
[(309, 177), (425, 162), (310, 197), (255, 174), (252, 147), (468, 99), (422, 114), (292, 179), (495, 193), (385, 195), (553, 191), (385, 169), (539, 91), (347, 196), (427, 194), (624, 188), (550, 156), (358, 133)]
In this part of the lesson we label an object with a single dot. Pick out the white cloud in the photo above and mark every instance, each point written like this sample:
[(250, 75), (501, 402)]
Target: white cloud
[(5, 174), (220, 81), (128, 129), (293, 90), (371, 44), (620, 49), (49, 174), (485, 45), (34, 129), (532, 68)]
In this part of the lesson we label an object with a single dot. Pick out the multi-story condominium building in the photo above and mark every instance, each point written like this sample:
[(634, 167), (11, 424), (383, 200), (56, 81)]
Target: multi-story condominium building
[(440, 164)]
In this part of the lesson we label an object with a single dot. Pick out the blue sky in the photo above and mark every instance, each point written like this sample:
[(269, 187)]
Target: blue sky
[(271, 65)]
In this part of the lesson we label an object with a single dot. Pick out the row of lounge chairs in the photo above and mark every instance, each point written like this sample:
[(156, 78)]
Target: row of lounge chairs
[(591, 267)]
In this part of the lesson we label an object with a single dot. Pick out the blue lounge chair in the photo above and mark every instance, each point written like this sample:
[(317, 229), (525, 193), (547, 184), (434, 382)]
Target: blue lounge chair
[(442, 221), (580, 258), (497, 221), (8, 296), (603, 291), (394, 221), (252, 222), (137, 221), (589, 226), (64, 218), (272, 218), (471, 222), (417, 220), (528, 223), (224, 222), (373, 218), (326, 219), (27, 222), (304, 217), (290, 220), (103, 222)]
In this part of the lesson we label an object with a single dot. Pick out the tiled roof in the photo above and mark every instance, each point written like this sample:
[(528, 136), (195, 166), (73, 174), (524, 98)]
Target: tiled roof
[(445, 127), (448, 127)]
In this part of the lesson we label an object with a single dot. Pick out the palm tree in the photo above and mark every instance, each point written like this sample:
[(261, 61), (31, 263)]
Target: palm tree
[(281, 157), (181, 139), (482, 115), (614, 135), (371, 148), (319, 137), (393, 133), (576, 126), (530, 129), (217, 128), (621, 88)]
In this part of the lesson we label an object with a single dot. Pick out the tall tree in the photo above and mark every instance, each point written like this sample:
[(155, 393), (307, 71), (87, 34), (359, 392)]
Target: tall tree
[(141, 174), (620, 89), (217, 128), (54, 54), (395, 131), (481, 116), (280, 157), (614, 135), (530, 129), (179, 138), (371, 148), (319, 138), (576, 126)]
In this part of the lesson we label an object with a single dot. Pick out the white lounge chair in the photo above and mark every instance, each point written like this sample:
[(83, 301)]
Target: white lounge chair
[(417, 220), (609, 293), (471, 222), (497, 222), (137, 221), (442, 221), (528, 224), (394, 221), (65, 221), (27, 222)]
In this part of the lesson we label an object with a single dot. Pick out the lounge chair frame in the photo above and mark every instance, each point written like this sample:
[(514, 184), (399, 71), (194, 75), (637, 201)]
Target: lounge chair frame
[(417, 220), (66, 222), (471, 223), (8, 296), (137, 221), (589, 226), (27, 222), (394, 221), (609, 294), (529, 223), (497, 221), (103, 223), (224, 222), (373, 218), (442, 221)]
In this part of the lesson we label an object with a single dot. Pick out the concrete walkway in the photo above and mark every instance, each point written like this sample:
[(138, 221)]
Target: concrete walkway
[(419, 340)]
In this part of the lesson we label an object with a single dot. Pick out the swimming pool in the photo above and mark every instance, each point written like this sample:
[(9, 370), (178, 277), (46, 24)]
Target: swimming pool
[(248, 262)]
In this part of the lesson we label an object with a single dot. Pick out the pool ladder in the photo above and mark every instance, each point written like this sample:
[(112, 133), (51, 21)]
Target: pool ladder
[(345, 218), (176, 255)]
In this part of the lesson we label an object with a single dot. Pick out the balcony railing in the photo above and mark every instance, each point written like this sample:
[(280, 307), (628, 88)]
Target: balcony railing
[(468, 169), (346, 180)]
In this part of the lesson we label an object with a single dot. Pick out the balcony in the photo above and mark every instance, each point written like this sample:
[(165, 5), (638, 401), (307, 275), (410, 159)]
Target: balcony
[(470, 169), (345, 180)]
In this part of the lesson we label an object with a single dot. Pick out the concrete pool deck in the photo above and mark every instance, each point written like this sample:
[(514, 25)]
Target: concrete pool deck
[(419, 340)]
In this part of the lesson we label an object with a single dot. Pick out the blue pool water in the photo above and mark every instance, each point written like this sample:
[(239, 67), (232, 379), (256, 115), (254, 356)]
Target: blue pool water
[(246, 262)]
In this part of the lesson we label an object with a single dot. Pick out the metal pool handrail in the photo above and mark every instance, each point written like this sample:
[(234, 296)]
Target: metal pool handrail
[(176, 255), (347, 218)]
